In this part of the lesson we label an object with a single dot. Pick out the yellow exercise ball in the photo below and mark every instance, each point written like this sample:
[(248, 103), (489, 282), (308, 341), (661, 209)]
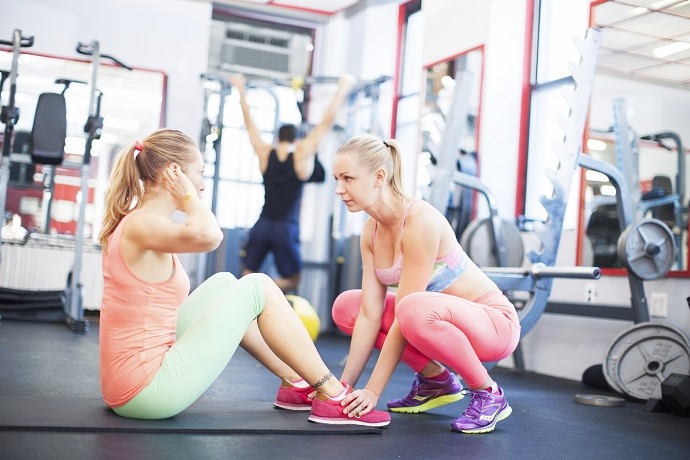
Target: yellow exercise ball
[(306, 314)]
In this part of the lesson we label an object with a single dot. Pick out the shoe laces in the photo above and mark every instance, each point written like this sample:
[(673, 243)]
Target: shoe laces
[(418, 381), (476, 403)]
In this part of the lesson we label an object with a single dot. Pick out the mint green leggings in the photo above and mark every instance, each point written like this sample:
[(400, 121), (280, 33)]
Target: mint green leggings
[(210, 325)]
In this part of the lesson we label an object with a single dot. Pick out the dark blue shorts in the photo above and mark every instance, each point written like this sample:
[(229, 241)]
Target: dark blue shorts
[(279, 237)]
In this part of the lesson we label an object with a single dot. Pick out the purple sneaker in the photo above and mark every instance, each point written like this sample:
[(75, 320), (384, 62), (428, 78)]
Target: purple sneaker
[(427, 394), (486, 409)]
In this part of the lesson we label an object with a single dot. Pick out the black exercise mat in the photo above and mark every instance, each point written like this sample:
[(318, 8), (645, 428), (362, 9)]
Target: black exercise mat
[(41, 413)]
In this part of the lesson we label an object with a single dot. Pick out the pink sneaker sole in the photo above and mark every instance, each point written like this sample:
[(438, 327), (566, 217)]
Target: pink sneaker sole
[(347, 421), (329, 412), (295, 407)]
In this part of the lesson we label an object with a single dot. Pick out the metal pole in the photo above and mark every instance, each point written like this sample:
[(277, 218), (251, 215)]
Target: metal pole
[(455, 127), (10, 116), (75, 319), (217, 148)]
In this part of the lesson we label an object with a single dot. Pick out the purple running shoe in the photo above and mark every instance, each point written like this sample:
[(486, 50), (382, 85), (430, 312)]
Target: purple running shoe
[(428, 394), (485, 410)]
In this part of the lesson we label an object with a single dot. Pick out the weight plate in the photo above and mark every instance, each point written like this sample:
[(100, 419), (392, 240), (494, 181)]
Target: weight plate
[(647, 249), (599, 400), (641, 357), (478, 242)]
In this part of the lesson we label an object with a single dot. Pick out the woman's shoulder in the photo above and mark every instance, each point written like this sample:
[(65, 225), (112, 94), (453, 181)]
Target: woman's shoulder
[(140, 220), (423, 213), (368, 226)]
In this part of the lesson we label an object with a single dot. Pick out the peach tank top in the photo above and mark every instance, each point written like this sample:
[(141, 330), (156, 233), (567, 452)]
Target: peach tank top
[(137, 325)]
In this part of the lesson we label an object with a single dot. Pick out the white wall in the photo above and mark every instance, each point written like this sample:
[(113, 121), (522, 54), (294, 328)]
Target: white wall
[(167, 35), (454, 27)]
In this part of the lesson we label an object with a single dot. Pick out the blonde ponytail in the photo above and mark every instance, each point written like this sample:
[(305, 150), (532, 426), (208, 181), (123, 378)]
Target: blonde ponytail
[(137, 167), (123, 194)]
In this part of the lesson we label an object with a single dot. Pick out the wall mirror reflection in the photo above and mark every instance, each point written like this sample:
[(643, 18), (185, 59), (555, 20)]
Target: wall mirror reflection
[(132, 106), (440, 86), (644, 64)]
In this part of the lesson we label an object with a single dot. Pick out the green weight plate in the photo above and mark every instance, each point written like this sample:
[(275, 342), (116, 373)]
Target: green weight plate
[(640, 358)]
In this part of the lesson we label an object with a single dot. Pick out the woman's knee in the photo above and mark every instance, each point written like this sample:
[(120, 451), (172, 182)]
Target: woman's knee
[(345, 309), (265, 284), (408, 309), (223, 278)]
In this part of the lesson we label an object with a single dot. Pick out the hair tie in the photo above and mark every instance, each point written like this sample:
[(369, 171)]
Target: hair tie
[(386, 144), (138, 147)]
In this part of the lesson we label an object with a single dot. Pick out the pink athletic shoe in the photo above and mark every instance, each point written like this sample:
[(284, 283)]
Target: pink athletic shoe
[(325, 410), (292, 398)]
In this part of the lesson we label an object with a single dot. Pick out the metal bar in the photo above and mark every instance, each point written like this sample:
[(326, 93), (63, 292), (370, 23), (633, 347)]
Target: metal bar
[(75, 310), (507, 282), (638, 299), (623, 202), (554, 83), (544, 271), (590, 310), (473, 182), (627, 153), (456, 123), (12, 117)]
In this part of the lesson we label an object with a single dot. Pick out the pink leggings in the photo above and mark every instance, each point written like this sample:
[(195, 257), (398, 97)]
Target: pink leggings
[(456, 332)]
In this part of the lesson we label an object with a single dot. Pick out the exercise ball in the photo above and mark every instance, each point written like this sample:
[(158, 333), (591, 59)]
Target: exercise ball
[(306, 314)]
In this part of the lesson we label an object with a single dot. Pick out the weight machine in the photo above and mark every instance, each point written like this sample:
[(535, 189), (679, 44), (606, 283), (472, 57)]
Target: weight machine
[(536, 280), (47, 148), (92, 128), (639, 359)]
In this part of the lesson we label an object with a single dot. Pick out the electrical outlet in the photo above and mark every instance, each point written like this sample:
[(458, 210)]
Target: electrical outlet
[(658, 304), (590, 292)]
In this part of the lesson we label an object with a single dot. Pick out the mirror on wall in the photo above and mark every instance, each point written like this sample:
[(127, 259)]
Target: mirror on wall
[(132, 106), (645, 63), (440, 84)]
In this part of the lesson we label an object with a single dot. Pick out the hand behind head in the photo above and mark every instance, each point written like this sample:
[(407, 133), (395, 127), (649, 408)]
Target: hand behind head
[(176, 182)]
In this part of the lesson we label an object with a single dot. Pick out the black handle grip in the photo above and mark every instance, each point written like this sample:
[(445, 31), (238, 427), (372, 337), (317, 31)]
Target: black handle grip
[(66, 81), (84, 49), (24, 42), (116, 61), (87, 50)]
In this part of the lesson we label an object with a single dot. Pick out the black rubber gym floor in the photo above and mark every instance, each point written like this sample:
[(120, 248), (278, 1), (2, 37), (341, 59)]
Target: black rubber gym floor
[(47, 364)]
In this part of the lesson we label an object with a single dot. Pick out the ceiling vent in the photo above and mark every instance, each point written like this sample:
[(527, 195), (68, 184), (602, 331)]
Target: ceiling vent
[(256, 51)]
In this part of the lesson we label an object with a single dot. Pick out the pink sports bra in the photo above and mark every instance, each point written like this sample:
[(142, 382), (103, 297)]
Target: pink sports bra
[(446, 271)]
